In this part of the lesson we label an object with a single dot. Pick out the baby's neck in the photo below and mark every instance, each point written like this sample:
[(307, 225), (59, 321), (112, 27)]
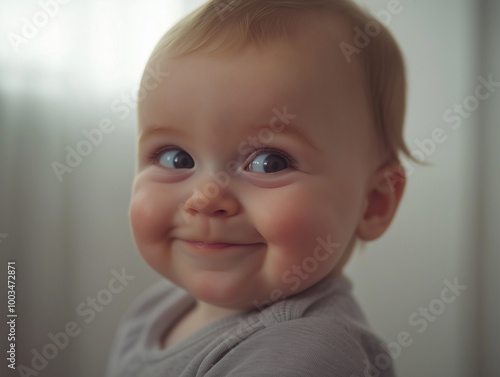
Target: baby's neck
[(210, 313), (199, 316)]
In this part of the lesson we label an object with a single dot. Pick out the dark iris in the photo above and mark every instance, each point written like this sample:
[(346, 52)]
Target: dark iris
[(183, 160), (274, 163)]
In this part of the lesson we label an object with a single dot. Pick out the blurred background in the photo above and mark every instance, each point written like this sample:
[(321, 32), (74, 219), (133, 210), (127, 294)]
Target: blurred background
[(70, 67)]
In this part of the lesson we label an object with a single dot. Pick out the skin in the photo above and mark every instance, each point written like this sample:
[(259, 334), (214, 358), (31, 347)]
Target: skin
[(250, 241)]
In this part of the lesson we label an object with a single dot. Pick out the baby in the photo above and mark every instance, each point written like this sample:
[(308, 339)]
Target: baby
[(268, 151)]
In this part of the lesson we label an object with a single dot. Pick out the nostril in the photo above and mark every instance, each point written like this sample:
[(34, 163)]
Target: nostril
[(191, 211), (220, 212)]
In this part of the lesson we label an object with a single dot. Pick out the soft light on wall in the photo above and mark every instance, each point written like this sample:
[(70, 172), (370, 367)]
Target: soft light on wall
[(62, 66)]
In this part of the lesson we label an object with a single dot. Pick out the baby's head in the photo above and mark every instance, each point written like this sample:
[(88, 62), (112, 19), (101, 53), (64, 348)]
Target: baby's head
[(269, 148)]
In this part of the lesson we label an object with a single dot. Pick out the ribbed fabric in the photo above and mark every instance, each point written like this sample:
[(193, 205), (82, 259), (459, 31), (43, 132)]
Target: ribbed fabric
[(320, 332)]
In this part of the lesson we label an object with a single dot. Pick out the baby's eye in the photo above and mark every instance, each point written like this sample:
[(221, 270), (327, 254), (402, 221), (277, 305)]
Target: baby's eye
[(269, 162), (175, 159)]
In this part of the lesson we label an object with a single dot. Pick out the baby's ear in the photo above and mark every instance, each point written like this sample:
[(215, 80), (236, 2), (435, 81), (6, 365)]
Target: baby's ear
[(384, 194)]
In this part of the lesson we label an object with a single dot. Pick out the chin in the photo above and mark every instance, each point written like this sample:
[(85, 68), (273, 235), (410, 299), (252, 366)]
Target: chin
[(217, 292)]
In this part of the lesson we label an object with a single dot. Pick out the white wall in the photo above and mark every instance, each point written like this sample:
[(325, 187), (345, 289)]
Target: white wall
[(432, 238), (488, 188), (68, 236)]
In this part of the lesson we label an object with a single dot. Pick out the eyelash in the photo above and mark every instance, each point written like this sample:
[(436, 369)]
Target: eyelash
[(155, 155), (275, 150)]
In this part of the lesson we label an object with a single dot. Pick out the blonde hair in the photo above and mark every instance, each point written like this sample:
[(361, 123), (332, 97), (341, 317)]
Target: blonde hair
[(220, 25)]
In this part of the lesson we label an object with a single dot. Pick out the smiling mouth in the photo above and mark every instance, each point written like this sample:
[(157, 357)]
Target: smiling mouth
[(215, 246)]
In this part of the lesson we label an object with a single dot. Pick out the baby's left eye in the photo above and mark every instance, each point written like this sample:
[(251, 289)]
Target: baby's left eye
[(269, 163), (175, 159)]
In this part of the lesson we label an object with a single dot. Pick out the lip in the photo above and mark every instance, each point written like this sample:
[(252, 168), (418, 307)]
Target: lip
[(200, 245)]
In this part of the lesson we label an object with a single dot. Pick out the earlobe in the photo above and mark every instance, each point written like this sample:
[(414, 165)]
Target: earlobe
[(383, 197)]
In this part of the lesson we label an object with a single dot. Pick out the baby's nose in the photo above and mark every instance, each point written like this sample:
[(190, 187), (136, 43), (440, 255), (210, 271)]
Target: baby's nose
[(211, 198)]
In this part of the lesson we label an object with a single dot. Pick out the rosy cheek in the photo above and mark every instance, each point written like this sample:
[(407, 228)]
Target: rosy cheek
[(149, 229), (290, 222), (145, 217)]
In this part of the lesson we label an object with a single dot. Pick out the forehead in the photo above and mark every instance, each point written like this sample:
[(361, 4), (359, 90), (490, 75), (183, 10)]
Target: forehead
[(307, 73)]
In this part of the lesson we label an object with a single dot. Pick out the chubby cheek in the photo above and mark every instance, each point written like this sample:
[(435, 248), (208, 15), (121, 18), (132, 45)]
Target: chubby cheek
[(150, 219), (291, 222), (145, 217), (306, 228), (287, 222)]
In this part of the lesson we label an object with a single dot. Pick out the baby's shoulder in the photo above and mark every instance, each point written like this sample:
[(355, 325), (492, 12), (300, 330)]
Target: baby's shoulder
[(319, 334), (150, 298), (144, 309), (307, 346), (323, 329)]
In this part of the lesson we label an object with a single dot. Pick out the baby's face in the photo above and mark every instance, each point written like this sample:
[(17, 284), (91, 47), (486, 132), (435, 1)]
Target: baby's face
[(252, 171)]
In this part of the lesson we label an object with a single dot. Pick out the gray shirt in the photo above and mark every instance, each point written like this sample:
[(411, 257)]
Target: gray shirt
[(320, 332)]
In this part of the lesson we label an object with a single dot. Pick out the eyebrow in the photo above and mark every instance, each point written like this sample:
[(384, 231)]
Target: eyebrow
[(160, 130), (290, 129)]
